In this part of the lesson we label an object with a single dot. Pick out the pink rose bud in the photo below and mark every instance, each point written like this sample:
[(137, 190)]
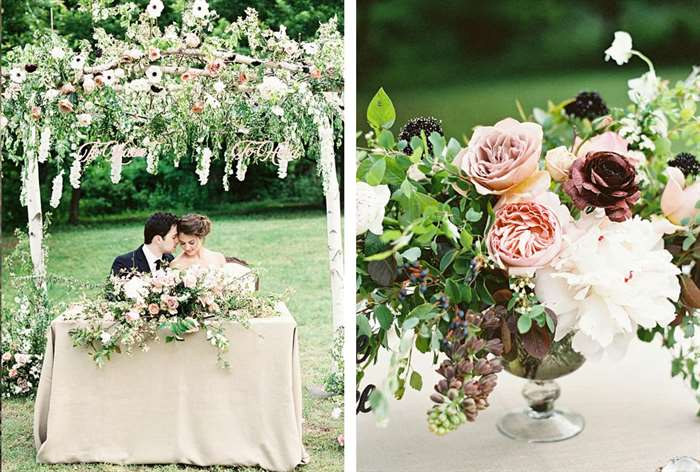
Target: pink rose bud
[(678, 201)]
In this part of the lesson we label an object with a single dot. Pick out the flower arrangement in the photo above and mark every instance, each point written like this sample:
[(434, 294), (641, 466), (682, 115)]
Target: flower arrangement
[(573, 224), (137, 309), (249, 95)]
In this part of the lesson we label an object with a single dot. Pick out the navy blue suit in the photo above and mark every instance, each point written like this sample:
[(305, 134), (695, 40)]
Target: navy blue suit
[(134, 260)]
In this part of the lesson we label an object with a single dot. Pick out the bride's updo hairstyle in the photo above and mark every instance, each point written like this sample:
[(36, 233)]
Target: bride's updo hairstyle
[(194, 225)]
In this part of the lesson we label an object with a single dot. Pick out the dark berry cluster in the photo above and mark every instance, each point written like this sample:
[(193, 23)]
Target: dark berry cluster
[(687, 163), (587, 105), (414, 127), (469, 372), (416, 275)]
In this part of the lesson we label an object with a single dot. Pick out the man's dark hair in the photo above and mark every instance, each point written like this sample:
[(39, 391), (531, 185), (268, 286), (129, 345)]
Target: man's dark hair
[(158, 224)]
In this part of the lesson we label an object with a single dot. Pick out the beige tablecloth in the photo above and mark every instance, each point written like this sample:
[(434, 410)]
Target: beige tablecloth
[(637, 418), (173, 404)]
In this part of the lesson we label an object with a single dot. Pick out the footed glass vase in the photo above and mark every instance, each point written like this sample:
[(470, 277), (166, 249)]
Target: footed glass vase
[(541, 421)]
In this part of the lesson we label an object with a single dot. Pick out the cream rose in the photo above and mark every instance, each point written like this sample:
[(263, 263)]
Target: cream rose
[(499, 157), (558, 161), (524, 237), (678, 201)]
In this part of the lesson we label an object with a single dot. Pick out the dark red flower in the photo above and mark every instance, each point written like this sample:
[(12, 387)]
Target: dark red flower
[(604, 179)]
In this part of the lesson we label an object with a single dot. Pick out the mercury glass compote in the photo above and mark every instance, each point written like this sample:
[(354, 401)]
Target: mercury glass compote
[(541, 421)]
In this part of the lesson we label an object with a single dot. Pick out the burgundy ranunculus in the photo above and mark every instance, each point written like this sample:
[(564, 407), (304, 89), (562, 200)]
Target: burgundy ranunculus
[(604, 179)]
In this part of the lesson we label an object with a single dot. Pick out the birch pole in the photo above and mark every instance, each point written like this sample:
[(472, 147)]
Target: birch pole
[(333, 220), (34, 215)]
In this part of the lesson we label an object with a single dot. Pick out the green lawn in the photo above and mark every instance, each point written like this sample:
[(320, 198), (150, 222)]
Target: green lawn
[(461, 106), (291, 251)]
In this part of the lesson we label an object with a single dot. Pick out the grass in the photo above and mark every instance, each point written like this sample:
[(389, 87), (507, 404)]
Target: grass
[(289, 248), (464, 105)]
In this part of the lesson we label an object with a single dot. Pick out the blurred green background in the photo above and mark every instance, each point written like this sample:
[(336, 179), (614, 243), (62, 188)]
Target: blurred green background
[(466, 62), (177, 190)]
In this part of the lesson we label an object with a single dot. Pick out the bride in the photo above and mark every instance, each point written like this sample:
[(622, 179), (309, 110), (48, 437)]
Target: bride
[(191, 232)]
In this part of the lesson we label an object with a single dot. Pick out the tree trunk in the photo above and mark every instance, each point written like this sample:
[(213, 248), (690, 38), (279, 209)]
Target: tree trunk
[(35, 224), (333, 226), (74, 212)]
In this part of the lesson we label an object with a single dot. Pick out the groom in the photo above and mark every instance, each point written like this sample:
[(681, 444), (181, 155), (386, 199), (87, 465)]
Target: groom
[(160, 239)]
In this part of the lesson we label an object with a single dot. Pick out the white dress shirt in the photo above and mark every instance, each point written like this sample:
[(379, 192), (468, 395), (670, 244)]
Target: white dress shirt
[(150, 257)]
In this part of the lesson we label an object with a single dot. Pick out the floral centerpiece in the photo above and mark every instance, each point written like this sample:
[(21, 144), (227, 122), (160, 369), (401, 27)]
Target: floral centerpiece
[(568, 232), (138, 309)]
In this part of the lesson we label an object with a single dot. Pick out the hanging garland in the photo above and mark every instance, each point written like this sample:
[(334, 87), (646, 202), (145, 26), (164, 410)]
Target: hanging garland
[(251, 95)]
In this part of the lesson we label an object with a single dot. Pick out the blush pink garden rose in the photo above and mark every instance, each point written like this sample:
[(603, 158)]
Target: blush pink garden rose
[(678, 201), (153, 309), (500, 157), (525, 236)]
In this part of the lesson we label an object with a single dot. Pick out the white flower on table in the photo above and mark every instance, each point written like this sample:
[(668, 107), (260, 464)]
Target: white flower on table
[(609, 279), (105, 337), (371, 201), (154, 8), (17, 75), (200, 8), (154, 74), (620, 50)]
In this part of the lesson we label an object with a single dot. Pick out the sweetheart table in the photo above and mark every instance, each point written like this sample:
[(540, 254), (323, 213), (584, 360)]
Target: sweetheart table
[(173, 404)]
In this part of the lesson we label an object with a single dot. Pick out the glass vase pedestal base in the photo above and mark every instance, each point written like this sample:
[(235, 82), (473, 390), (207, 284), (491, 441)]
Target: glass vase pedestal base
[(558, 426), (541, 422)]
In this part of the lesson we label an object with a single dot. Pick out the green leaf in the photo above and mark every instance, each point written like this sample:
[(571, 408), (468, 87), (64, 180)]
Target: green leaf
[(435, 340), (697, 204), (422, 312), (416, 381), (453, 292), (447, 259), (550, 323), (384, 316), (466, 238), (408, 189), (376, 172), (536, 311), (411, 254), (409, 324), (169, 339), (466, 294), (381, 112), (386, 139), (511, 303), (423, 342), (472, 215), (363, 325), (688, 241), (524, 324)]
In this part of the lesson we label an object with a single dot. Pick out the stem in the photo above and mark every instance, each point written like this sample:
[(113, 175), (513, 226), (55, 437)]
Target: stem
[(645, 59)]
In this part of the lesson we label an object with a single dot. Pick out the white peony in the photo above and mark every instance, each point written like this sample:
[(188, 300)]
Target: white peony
[(610, 278), (135, 288), (371, 201), (620, 50)]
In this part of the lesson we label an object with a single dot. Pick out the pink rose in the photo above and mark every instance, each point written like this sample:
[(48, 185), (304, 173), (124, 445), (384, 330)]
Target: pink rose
[(12, 373), (677, 201), (6, 357), (170, 303), (132, 315), (499, 157), (524, 237), (153, 309)]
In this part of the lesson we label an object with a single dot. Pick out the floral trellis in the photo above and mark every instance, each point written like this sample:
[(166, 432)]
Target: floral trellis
[(248, 96)]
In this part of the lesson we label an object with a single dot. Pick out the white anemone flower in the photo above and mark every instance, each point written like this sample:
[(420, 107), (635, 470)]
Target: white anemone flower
[(371, 202), (620, 50), (200, 8), (643, 90), (609, 279), (154, 8), (154, 74), (17, 75), (78, 62)]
